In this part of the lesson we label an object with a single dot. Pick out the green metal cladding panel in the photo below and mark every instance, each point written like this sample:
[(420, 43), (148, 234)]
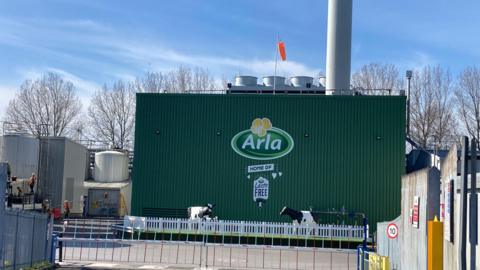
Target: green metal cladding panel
[(348, 151)]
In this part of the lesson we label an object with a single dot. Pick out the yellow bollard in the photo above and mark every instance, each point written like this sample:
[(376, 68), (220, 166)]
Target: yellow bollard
[(385, 263), (435, 245), (373, 261), (377, 262)]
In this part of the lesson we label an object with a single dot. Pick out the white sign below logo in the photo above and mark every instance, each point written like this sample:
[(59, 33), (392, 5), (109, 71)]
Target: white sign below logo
[(260, 190)]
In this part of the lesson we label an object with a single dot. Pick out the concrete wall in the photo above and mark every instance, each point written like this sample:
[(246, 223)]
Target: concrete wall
[(450, 167), (62, 172), (127, 195), (389, 247), (50, 173), (426, 185), (74, 170)]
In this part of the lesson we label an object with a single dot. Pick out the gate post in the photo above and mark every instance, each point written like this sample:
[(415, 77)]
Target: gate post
[(16, 242), (60, 248), (3, 180), (53, 248)]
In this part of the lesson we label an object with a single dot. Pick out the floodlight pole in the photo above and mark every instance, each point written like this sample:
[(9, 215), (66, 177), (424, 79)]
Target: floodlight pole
[(409, 77)]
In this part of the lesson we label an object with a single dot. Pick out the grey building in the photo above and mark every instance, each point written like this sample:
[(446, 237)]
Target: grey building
[(62, 171)]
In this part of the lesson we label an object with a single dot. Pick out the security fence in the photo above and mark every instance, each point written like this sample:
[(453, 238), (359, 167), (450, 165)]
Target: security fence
[(26, 239), (204, 243), (149, 252)]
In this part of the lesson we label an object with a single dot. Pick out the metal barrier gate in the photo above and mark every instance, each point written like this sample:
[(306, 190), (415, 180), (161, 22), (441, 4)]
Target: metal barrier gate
[(204, 254), (95, 241)]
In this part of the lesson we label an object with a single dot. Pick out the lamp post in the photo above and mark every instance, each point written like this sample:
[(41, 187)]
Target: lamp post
[(409, 74)]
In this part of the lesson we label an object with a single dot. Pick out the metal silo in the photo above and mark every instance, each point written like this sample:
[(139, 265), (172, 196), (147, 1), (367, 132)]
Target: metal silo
[(111, 166), (21, 152)]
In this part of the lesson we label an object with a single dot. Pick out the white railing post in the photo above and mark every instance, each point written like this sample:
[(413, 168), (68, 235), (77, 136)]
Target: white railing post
[(253, 228)]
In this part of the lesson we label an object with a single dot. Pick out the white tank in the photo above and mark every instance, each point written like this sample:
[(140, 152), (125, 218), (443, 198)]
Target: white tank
[(111, 166), (322, 81), (245, 81), (301, 81), (21, 152), (269, 80)]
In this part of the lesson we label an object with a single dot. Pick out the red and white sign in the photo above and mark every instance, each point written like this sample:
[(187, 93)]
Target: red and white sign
[(392, 231), (416, 212)]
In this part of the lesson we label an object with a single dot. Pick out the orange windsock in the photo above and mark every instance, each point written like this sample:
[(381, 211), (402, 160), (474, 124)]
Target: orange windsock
[(281, 50)]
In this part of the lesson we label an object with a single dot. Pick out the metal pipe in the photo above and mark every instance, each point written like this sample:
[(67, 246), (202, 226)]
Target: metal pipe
[(473, 204), (339, 45), (463, 206)]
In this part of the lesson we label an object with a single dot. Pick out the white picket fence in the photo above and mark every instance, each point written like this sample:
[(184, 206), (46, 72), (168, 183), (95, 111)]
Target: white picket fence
[(245, 228)]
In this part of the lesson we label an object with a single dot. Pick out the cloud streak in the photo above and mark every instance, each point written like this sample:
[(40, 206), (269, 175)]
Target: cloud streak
[(133, 57)]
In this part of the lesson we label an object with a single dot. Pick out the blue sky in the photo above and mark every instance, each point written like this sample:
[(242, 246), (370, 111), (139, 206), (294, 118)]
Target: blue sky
[(93, 42)]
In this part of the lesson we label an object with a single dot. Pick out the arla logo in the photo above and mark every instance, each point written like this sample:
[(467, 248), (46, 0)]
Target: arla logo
[(262, 141)]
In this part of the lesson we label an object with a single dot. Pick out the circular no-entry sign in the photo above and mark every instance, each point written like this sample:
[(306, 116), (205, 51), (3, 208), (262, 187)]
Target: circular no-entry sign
[(392, 231)]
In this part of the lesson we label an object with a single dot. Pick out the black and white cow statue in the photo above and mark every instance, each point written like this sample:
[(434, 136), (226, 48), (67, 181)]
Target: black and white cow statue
[(298, 217), (201, 212)]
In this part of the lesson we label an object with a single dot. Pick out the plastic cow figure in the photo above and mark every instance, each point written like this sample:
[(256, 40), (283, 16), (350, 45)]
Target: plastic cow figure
[(298, 217), (201, 212)]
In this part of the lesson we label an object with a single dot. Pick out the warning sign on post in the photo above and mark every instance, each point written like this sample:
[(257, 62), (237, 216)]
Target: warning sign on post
[(392, 231), (416, 212)]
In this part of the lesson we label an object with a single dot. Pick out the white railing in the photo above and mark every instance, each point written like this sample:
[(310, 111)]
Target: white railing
[(245, 228)]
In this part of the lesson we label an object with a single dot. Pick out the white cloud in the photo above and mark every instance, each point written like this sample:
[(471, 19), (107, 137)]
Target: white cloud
[(124, 56), (85, 88), (87, 25), (417, 60), (8, 93), (152, 55), (83, 85)]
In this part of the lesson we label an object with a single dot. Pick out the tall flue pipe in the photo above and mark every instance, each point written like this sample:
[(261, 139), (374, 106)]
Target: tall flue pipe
[(339, 46)]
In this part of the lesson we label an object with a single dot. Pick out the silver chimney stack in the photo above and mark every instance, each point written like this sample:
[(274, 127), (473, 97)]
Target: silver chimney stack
[(339, 46)]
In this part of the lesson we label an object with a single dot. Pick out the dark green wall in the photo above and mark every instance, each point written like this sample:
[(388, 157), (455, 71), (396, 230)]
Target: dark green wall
[(349, 151)]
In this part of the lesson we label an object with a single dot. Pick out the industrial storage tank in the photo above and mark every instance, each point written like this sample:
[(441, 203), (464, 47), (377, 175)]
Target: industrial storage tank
[(301, 81), (271, 80), (245, 81), (21, 152), (111, 166)]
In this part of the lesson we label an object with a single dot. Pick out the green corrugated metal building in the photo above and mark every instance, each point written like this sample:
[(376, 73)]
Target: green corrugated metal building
[(318, 151)]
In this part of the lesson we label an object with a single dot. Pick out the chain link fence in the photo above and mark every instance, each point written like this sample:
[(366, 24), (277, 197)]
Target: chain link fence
[(26, 240)]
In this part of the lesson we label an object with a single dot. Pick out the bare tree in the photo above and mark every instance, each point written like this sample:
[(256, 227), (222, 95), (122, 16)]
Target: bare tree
[(151, 82), (432, 119), (180, 80), (112, 115), (202, 80), (377, 76), (468, 98), (44, 107)]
